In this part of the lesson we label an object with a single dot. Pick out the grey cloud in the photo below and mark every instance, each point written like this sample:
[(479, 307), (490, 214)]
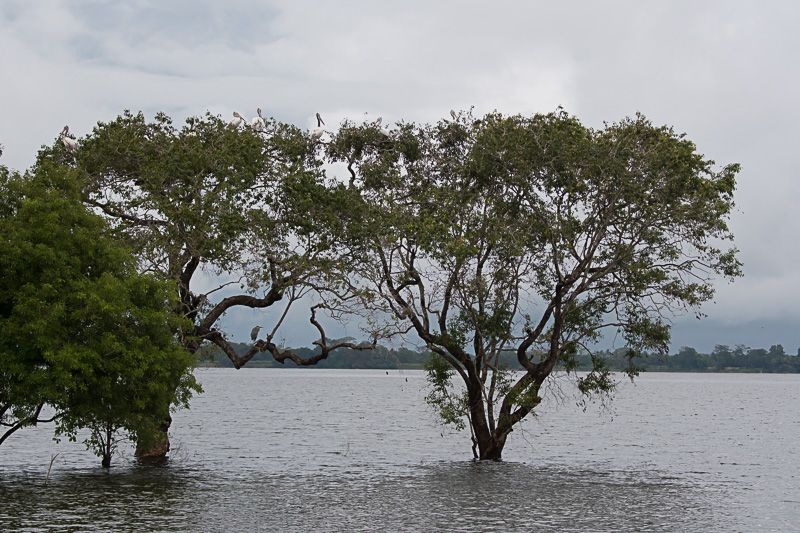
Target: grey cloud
[(238, 26), (723, 72)]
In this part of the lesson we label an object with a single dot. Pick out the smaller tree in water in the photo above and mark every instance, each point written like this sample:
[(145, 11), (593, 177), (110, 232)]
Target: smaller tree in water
[(80, 330), (532, 236)]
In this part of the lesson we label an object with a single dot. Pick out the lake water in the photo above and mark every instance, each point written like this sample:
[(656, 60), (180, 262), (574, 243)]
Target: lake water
[(333, 450)]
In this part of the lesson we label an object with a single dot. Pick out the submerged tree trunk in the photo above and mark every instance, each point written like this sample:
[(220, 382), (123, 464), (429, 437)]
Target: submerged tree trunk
[(490, 432), (106, 441), (489, 441), (494, 452), (490, 448), (155, 450)]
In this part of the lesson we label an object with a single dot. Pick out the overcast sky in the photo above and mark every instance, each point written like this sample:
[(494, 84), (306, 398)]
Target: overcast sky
[(724, 72)]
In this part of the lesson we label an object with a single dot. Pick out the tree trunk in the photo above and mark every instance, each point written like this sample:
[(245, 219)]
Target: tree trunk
[(155, 450), (490, 447), (490, 444), (107, 444)]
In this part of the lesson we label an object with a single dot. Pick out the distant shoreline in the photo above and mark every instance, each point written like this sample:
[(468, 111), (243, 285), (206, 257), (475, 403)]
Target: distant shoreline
[(278, 366), (722, 360)]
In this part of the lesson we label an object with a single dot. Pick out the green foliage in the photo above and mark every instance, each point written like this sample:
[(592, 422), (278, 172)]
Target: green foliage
[(80, 330), (201, 188), (524, 397), (598, 380), (451, 406)]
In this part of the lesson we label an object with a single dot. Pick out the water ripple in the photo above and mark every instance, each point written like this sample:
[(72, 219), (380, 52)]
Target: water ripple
[(718, 456)]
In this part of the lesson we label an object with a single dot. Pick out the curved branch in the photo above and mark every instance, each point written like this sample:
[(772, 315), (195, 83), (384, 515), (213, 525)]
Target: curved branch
[(325, 348), (274, 295), (30, 421), (136, 221)]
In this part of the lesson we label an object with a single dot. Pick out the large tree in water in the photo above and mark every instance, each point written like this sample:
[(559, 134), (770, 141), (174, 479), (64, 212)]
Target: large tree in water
[(532, 236), (234, 218)]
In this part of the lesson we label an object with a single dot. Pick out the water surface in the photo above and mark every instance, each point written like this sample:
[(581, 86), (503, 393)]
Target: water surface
[(334, 450)]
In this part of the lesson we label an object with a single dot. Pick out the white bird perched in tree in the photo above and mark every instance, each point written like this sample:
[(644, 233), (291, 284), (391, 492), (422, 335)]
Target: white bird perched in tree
[(384, 131), (317, 132), (258, 122), (453, 114), (70, 143), (254, 333), (237, 120)]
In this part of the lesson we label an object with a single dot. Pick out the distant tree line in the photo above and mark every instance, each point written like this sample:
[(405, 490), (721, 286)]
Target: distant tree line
[(723, 358), (379, 358)]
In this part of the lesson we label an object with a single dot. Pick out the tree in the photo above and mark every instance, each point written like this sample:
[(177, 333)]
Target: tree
[(740, 356), (80, 330), (533, 235), (723, 357), (687, 359), (249, 210)]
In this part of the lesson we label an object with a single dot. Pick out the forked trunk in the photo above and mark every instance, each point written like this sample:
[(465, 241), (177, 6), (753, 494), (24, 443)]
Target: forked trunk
[(490, 447), (106, 440)]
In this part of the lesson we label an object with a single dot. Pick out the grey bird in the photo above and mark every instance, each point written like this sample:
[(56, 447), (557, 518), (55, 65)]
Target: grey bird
[(254, 333)]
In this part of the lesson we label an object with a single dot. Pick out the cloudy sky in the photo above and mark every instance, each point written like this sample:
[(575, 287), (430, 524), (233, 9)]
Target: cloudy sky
[(724, 72)]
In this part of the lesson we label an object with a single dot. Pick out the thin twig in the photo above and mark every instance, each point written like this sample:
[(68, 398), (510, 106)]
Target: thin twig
[(52, 459)]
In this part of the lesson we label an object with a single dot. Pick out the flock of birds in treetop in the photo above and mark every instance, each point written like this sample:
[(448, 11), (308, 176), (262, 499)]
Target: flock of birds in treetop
[(257, 124)]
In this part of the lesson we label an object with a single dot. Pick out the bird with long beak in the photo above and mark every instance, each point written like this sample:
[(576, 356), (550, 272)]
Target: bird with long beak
[(70, 143), (237, 120), (317, 132), (384, 131), (254, 333), (258, 122)]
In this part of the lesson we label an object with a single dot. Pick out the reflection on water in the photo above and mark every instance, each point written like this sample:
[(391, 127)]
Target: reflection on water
[(306, 450)]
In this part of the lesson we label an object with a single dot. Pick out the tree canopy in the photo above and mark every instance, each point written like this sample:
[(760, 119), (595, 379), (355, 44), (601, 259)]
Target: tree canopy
[(533, 235), (82, 331), (251, 209)]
